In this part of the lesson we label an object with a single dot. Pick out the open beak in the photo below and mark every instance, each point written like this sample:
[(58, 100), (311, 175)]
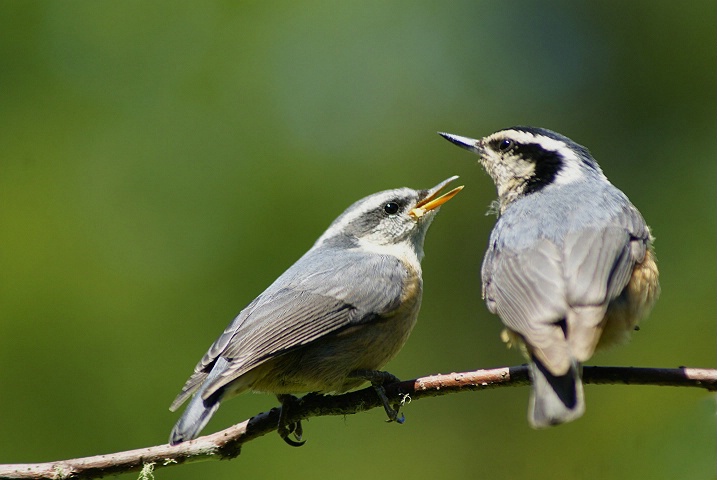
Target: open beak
[(432, 201), (464, 142)]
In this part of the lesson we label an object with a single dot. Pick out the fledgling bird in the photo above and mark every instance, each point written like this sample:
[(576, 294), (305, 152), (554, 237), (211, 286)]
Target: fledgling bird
[(328, 323), (570, 266)]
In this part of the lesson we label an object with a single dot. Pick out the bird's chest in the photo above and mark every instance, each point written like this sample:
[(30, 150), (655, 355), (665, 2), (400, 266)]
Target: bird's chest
[(382, 338), (411, 294)]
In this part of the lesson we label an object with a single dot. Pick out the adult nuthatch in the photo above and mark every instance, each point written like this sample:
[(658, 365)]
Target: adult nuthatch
[(328, 323), (570, 266)]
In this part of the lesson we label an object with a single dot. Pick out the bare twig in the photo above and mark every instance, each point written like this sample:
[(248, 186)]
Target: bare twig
[(227, 443)]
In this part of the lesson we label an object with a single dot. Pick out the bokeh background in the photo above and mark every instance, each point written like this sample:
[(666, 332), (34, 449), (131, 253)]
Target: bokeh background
[(162, 162)]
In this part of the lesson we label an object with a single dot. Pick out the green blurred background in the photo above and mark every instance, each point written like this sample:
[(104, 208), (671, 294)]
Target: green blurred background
[(162, 162)]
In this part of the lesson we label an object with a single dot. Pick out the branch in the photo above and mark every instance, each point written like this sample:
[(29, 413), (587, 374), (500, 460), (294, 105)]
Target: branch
[(227, 443)]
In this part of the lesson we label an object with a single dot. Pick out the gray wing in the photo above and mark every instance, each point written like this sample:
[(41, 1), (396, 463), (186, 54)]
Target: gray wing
[(526, 289), (573, 279), (320, 294), (598, 265)]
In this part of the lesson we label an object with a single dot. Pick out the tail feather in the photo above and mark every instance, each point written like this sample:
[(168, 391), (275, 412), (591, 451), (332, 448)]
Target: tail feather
[(555, 399), (199, 411), (194, 419)]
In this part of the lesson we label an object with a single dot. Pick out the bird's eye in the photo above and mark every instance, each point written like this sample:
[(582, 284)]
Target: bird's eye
[(505, 145), (391, 208)]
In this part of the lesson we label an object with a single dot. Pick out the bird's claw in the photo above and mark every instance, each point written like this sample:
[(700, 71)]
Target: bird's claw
[(378, 379), (285, 429), (394, 416)]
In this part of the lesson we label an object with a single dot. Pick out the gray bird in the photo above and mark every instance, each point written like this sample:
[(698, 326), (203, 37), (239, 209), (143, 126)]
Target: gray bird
[(570, 266), (328, 323)]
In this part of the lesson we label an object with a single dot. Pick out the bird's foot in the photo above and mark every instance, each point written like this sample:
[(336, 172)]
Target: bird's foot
[(286, 429), (378, 379)]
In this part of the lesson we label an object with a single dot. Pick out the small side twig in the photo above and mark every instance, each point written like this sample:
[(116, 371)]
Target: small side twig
[(227, 443)]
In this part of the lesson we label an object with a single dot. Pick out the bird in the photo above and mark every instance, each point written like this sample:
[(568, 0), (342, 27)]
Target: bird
[(330, 321), (570, 266)]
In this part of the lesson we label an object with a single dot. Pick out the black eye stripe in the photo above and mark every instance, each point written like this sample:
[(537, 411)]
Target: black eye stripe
[(532, 152), (503, 145)]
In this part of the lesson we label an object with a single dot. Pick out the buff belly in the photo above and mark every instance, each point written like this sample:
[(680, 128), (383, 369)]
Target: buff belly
[(633, 304)]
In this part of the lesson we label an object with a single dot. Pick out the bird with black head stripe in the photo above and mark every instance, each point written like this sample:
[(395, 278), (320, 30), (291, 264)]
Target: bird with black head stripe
[(570, 267)]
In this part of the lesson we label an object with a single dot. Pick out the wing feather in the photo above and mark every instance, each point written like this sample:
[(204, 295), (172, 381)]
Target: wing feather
[(598, 264), (527, 288), (321, 293), (534, 284)]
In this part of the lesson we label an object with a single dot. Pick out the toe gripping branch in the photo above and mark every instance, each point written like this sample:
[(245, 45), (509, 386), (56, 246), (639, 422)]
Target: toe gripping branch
[(285, 429), (378, 379)]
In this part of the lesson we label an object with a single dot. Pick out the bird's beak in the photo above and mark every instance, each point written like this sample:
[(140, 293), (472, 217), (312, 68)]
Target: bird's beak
[(470, 144), (431, 202)]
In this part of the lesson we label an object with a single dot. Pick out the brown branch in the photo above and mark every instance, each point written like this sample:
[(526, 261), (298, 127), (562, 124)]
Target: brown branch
[(227, 443)]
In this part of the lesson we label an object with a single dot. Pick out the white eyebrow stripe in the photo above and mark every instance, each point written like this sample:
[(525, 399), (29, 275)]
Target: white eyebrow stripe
[(572, 168), (357, 210), (549, 144)]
